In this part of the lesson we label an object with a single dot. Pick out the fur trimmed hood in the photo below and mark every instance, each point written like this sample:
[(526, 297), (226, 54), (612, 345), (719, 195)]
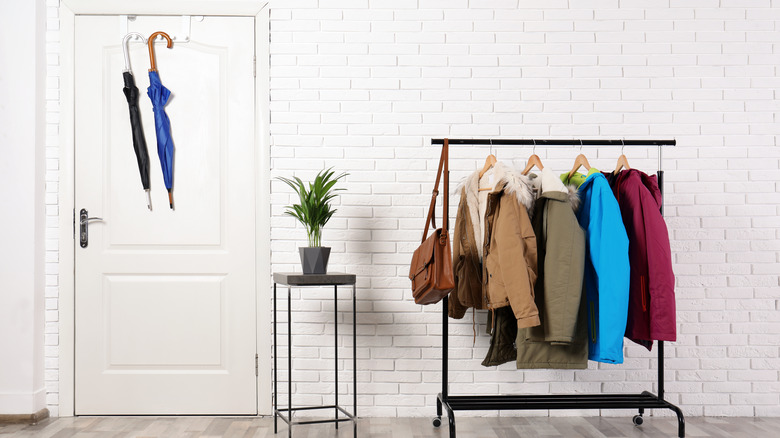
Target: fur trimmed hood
[(550, 182), (500, 175)]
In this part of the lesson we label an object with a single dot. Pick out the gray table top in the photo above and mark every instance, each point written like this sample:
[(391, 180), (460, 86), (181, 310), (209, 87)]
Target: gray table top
[(298, 279)]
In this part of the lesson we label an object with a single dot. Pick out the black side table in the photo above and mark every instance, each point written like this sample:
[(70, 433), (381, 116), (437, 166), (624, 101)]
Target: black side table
[(300, 280)]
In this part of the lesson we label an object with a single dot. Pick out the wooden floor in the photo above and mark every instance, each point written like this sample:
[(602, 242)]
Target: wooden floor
[(504, 427)]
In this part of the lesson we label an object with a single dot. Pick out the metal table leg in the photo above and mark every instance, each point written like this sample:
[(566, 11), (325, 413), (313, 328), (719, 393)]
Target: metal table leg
[(336, 350), (276, 381), (354, 355), (289, 360)]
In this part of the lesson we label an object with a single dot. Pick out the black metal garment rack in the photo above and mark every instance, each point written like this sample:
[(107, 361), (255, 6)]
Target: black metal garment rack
[(645, 400)]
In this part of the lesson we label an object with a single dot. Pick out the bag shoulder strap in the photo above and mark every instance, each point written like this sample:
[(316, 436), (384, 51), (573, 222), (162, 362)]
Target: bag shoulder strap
[(443, 169)]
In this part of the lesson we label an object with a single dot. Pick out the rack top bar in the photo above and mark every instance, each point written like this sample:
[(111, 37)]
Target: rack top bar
[(553, 142)]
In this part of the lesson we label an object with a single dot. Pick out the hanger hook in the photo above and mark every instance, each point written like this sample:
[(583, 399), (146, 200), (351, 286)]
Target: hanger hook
[(623, 145), (150, 42), (491, 146), (125, 48), (580, 145)]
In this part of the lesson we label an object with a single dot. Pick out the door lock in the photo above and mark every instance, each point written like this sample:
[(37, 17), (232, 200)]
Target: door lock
[(84, 226)]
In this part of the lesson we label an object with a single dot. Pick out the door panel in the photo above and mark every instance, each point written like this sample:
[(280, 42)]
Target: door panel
[(165, 299), (200, 176), (181, 317)]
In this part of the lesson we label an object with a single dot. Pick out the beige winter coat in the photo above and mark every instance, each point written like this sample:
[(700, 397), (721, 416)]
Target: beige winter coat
[(493, 226)]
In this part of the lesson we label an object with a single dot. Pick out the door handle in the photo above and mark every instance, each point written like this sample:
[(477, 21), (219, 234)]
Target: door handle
[(84, 226)]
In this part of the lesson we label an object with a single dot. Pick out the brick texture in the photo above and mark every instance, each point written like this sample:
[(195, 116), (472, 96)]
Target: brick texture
[(363, 85)]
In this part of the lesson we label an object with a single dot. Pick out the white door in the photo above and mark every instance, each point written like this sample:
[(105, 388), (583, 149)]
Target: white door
[(165, 299)]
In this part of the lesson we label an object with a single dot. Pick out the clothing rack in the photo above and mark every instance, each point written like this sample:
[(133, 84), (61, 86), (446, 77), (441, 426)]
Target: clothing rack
[(645, 400)]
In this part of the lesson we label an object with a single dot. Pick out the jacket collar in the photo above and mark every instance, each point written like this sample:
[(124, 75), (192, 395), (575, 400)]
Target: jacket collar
[(508, 180), (549, 185), (593, 175), (549, 182), (579, 179), (516, 184), (639, 177)]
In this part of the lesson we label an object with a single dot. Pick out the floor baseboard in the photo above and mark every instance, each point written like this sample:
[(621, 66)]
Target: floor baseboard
[(24, 418)]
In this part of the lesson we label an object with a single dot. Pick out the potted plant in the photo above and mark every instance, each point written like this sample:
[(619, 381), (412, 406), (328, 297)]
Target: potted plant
[(313, 212)]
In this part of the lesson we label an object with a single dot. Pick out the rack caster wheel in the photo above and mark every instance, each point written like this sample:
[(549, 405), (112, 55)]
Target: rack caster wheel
[(436, 421), (638, 420)]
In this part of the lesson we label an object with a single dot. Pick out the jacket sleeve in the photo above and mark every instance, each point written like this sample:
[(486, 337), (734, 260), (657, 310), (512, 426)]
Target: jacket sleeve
[(517, 259), (564, 265), (608, 246), (660, 279), (454, 307)]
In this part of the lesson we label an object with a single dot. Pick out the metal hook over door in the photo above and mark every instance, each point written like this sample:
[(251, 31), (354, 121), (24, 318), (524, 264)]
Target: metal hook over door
[(84, 226)]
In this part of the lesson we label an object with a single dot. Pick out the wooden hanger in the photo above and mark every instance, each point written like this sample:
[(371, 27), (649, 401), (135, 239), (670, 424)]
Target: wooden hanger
[(621, 162), (580, 161), (490, 161), (533, 160)]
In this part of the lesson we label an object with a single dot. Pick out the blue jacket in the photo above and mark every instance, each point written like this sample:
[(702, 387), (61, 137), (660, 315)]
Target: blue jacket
[(607, 271)]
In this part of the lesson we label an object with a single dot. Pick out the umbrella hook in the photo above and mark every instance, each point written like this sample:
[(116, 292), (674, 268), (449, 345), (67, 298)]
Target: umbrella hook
[(150, 43), (125, 49)]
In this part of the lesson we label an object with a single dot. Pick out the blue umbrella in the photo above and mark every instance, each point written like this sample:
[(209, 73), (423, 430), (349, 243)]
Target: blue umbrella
[(162, 125)]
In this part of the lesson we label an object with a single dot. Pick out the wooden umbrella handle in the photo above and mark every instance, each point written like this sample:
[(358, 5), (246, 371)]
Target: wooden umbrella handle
[(150, 43)]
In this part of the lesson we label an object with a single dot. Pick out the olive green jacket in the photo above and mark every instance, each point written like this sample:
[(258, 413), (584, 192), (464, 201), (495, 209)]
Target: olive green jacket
[(561, 339)]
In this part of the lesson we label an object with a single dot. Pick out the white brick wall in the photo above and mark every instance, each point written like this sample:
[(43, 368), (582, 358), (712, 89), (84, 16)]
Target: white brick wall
[(51, 349), (363, 86)]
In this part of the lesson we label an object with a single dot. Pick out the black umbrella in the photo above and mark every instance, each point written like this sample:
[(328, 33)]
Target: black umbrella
[(139, 140)]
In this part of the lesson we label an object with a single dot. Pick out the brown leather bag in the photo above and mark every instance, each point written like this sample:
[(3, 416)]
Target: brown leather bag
[(431, 267)]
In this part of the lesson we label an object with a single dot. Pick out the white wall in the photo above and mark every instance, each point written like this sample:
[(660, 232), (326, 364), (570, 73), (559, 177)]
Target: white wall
[(362, 87), (22, 217)]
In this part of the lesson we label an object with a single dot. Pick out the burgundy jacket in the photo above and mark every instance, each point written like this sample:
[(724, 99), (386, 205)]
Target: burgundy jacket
[(651, 306)]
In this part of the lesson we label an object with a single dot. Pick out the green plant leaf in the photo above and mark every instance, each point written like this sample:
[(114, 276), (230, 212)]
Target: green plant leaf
[(314, 209)]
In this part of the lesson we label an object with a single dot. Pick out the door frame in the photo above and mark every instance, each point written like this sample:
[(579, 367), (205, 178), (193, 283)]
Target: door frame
[(69, 9)]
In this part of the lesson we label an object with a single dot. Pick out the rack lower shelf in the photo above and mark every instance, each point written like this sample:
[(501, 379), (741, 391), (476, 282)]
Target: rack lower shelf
[(645, 400), (576, 401)]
